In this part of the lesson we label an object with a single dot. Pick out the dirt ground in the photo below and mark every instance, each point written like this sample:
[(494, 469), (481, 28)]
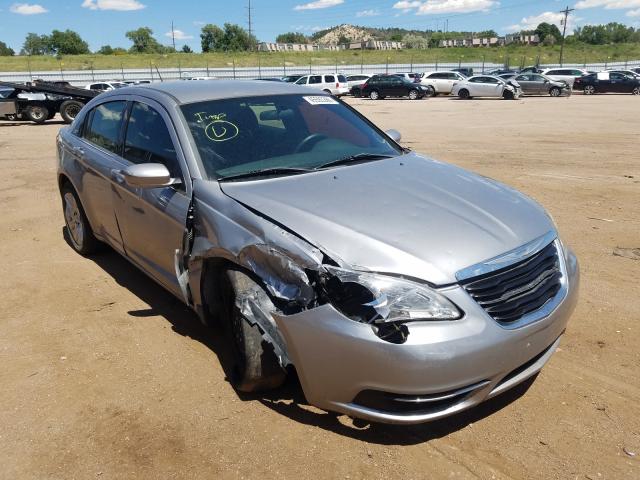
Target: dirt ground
[(104, 375)]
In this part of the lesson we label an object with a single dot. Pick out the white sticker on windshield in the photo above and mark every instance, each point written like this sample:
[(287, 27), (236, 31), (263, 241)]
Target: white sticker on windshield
[(321, 100)]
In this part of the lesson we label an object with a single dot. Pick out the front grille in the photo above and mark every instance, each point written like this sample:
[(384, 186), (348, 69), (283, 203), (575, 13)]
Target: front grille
[(510, 293)]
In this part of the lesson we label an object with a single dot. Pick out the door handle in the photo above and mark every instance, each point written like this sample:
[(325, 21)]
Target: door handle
[(79, 151), (117, 176)]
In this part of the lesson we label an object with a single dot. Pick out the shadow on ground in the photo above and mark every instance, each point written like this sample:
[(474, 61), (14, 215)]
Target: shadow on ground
[(288, 400)]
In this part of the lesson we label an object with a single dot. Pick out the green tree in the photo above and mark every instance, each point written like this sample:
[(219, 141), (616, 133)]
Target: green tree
[(211, 38), (5, 51), (549, 40), (292, 37), (487, 34), (415, 41), (396, 37), (143, 41), (35, 44), (545, 29), (186, 49), (105, 50), (67, 43)]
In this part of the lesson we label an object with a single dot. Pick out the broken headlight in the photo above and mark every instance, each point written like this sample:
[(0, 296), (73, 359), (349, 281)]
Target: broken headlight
[(381, 299)]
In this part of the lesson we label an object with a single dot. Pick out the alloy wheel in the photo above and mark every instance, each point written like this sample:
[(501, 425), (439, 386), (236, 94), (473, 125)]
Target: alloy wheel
[(73, 219), (589, 90)]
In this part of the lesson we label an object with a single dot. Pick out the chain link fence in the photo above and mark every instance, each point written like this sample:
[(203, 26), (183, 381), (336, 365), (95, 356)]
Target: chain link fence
[(153, 73)]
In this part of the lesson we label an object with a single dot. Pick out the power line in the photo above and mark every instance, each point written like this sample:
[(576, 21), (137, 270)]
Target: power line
[(566, 12)]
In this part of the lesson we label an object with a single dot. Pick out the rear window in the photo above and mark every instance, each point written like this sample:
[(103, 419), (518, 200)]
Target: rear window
[(341, 78)]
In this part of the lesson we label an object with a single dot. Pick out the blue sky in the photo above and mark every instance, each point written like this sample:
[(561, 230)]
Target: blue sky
[(103, 22)]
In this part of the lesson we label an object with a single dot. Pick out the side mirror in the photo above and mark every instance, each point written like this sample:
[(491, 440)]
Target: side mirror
[(394, 134), (147, 175)]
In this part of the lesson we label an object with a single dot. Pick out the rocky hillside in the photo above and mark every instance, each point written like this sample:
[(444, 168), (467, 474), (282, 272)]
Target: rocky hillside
[(334, 35)]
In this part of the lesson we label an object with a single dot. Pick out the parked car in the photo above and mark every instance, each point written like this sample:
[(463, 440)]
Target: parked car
[(270, 79), (569, 75), (629, 72), (487, 86), (413, 77), (501, 71), (105, 86), (333, 83), (608, 82), (636, 70), (292, 78), (382, 86), (400, 288), (538, 84), (531, 69), (357, 80), (442, 81), (465, 71)]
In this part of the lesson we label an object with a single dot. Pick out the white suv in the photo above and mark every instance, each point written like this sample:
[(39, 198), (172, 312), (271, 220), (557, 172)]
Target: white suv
[(443, 81), (333, 83)]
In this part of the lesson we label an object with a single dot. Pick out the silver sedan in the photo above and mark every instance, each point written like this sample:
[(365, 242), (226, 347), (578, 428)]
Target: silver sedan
[(402, 289)]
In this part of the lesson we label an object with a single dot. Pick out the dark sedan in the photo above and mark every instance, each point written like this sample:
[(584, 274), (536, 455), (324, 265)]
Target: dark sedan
[(381, 86), (607, 82)]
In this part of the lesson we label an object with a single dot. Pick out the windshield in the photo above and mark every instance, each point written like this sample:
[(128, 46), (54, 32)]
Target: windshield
[(241, 135)]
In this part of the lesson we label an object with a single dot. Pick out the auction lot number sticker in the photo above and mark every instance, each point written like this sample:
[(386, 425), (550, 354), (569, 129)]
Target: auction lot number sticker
[(320, 100)]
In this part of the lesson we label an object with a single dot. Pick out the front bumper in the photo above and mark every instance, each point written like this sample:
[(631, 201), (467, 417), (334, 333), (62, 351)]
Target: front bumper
[(454, 364)]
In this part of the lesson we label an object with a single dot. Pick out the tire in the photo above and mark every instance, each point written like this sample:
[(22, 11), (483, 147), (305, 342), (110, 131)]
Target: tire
[(636, 91), (326, 90), (78, 229), (413, 95), (374, 95), (555, 92), (464, 94), (589, 90), (37, 113), (70, 109), (431, 92), (356, 93), (254, 365), (507, 95)]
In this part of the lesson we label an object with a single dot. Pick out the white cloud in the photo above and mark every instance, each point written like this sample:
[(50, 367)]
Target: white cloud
[(429, 7), (27, 9), (307, 28), (633, 13), (554, 18), (608, 4), (368, 13), (199, 23), (179, 35), (317, 4), (120, 5)]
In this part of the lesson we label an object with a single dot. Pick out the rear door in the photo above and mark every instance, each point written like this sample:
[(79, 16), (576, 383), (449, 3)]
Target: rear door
[(529, 86), (153, 220), (98, 153)]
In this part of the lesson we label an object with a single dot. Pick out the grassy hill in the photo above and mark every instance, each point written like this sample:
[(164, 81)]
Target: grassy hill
[(515, 54)]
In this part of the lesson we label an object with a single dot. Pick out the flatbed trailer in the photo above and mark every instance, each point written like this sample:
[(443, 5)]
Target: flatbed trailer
[(39, 101)]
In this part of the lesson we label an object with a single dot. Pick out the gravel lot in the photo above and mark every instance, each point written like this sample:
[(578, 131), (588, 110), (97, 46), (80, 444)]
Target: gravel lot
[(105, 376)]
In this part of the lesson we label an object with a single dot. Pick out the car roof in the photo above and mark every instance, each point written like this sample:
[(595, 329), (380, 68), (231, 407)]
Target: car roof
[(191, 92)]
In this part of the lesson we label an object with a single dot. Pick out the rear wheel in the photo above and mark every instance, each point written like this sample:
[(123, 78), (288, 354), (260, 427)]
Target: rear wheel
[(554, 92), (254, 365), (70, 109), (326, 90), (79, 231), (589, 89), (413, 94), (36, 113), (464, 94), (374, 95)]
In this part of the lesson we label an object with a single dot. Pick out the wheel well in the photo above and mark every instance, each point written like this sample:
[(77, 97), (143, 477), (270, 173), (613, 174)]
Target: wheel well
[(63, 181)]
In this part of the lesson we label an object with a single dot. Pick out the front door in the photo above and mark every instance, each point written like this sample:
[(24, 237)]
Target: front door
[(152, 220)]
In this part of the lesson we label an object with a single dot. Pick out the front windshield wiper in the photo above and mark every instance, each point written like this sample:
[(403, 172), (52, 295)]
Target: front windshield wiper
[(359, 157), (265, 172)]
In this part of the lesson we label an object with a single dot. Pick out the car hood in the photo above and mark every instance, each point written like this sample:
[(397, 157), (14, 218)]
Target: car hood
[(406, 215)]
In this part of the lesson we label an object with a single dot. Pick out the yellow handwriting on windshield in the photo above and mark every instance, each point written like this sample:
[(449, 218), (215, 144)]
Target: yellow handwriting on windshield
[(216, 128)]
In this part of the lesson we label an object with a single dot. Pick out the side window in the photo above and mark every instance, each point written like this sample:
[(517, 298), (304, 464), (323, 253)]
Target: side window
[(553, 72), (105, 125), (577, 73), (148, 139), (523, 78), (616, 76), (452, 76), (315, 79), (329, 79), (491, 80), (341, 78), (302, 81), (437, 76)]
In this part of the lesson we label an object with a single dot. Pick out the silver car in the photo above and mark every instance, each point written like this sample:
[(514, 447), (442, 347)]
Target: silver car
[(400, 288)]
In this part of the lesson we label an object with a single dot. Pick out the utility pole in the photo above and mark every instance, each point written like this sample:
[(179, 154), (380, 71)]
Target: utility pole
[(566, 12), (249, 11), (173, 36)]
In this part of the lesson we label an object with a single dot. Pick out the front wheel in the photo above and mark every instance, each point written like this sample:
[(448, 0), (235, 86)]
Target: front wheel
[(413, 95), (464, 94), (37, 113), (431, 92), (554, 92), (79, 231), (254, 365), (636, 91), (589, 90), (374, 95), (507, 95)]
